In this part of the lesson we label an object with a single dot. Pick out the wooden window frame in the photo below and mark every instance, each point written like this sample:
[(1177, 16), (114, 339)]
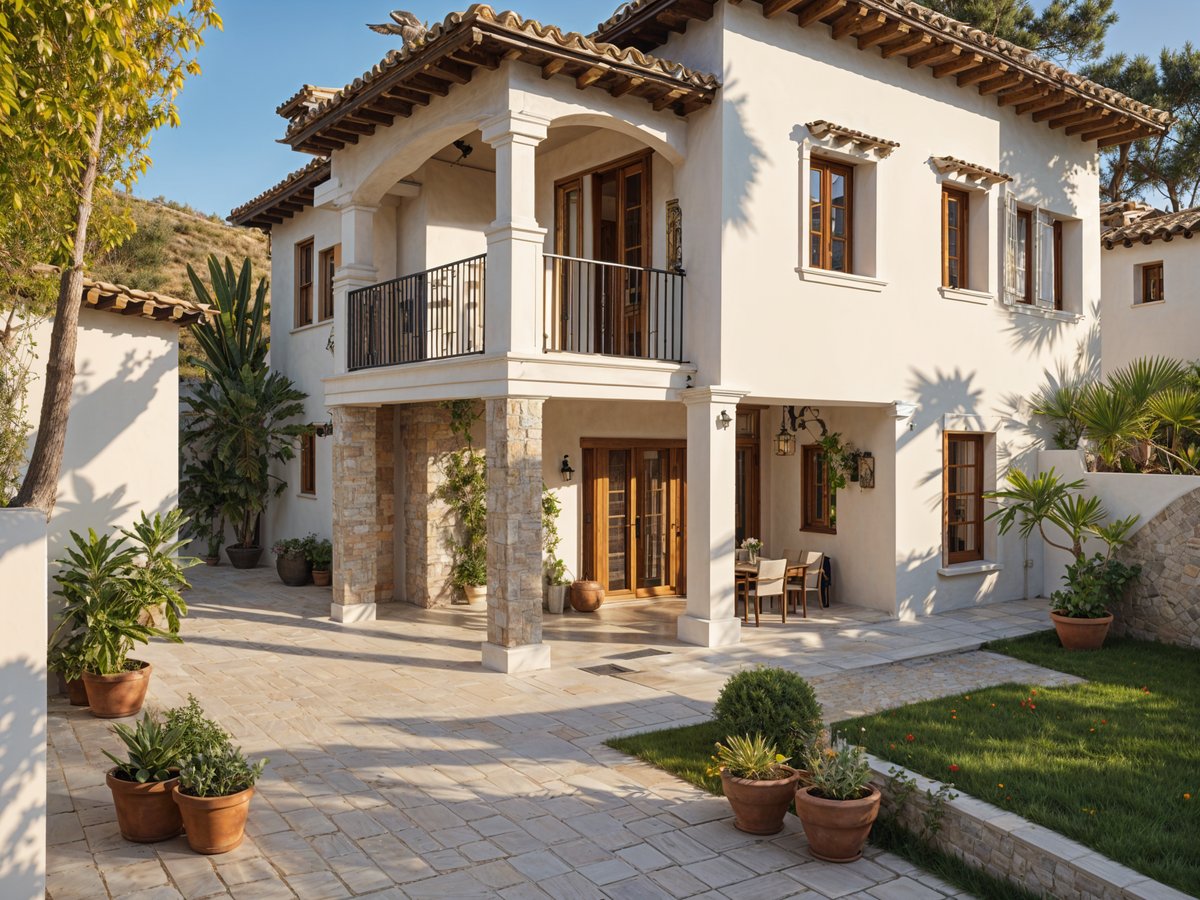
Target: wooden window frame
[(972, 554), (1025, 222), (828, 168), (821, 521), (1057, 249), (328, 261), (303, 310), (308, 464), (1146, 271), (963, 198)]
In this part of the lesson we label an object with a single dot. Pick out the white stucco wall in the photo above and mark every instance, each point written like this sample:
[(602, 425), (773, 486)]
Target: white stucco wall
[(122, 448), (1170, 327), (23, 705)]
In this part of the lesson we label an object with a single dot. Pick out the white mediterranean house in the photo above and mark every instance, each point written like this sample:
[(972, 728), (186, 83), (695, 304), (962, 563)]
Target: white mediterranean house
[(1150, 270), (670, 257)]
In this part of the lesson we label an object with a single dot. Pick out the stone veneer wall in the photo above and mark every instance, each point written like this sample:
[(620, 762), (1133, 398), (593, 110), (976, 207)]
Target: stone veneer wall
[(514, 498), (1164, 603), (363, 505), (429, 524)]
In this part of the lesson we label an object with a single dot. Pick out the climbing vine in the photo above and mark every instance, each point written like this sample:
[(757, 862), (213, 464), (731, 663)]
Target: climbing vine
[(465, 489)]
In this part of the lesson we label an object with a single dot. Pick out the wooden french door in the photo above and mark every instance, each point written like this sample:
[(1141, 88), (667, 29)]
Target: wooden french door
[(747, 475), (635, 502)]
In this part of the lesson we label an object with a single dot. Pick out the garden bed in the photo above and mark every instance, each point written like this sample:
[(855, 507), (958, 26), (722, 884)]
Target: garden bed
[(1113, 763)]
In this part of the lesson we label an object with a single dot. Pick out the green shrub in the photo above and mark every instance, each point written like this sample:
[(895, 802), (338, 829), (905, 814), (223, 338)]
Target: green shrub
[(222, 774), (200, 735), (773, 702)]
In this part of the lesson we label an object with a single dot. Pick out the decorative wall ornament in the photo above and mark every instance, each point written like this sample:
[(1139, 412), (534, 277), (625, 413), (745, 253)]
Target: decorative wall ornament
[(674, 236), (866, 470)]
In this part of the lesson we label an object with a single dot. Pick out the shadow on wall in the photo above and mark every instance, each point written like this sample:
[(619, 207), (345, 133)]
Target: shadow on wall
[(918, 567), (21, 755), (740, 144), (938, 395)]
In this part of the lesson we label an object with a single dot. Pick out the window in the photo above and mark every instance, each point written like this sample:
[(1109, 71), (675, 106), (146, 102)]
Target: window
[(330, 259), (829, 204), (1023, 258), (1034, 258), (955, 239), (820, 506), (1152, 283), (308, 464), (962, 497), (1050, 257), (304, 284)]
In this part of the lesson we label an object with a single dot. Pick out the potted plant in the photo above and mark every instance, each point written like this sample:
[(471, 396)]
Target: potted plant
[(465, 490), (320, 558), (554, 569), (66, 660), (143, 783), (201, 497), (213, 795), (1080, 612), (757, 782), (753, 547), (291, 561), (839, 804), (112, 587)]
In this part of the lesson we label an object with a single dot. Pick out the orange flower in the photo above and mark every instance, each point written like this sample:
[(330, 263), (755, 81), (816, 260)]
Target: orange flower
[(1187, 796), (1000, 785)]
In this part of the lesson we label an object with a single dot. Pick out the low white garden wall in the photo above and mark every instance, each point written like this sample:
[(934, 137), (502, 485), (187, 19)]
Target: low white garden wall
[(23, 705)]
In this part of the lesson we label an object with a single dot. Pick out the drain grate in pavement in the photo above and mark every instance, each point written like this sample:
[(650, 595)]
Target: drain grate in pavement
[(639, 654), (606, 669)]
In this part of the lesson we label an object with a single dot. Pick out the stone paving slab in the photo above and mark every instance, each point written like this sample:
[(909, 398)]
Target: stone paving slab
[(401, 769)]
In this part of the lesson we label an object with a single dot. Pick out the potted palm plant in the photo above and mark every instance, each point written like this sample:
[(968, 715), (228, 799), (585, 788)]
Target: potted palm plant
[(213, 795), (757, 782), (112, 589), (291, 561), (839, 804), (201, 497), (143, 783), (1080, 612), (320, 559)]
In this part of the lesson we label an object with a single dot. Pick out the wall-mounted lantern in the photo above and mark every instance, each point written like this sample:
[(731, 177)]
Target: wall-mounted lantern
[(325, 430), (866, 470), (565, 469), (724, 420)]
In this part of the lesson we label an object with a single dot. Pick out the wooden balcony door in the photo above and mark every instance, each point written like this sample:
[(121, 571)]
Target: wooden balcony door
[(634, 508), (621, 216)]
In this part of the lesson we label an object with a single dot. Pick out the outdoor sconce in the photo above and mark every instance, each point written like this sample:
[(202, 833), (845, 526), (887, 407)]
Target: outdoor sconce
[(565, 469), (792, 420), (325, 430), (785, 442), (724, 419), (866, 470)]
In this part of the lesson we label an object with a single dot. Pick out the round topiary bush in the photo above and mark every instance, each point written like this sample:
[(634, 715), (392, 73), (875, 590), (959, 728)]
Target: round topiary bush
[(773, 702)]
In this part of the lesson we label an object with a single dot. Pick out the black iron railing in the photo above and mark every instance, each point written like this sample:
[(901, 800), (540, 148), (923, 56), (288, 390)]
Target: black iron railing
[(435, 314), (613, 309)]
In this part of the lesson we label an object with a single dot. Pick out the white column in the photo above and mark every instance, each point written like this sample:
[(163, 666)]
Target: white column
[(515, 240), (711, 464), (356, 271)]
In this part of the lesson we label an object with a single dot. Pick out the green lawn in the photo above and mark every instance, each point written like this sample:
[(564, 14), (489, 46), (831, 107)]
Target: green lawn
[(1113, 764)]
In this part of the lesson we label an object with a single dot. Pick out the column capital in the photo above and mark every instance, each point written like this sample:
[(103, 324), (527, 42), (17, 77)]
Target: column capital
[(711, 394), (512, 124)]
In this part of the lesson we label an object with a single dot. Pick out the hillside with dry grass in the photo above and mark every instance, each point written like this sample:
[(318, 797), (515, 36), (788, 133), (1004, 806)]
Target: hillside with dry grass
[(168, 238)]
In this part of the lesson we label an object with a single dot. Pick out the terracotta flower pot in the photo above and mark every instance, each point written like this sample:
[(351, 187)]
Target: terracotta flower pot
[(322, 577), (76, 691), (837, 829), (214, 824), (293, 570), (120, 695), (212, 560), (759, 806), (146, 813), (586, 596), (243, 557), (1081, 634)]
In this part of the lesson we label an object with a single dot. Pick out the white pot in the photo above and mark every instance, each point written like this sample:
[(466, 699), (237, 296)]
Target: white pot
[(476, 595), (556, 595)]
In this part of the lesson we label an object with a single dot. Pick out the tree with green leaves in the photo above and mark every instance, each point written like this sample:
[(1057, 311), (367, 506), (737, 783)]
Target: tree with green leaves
[(1065, 31), (83, 86)]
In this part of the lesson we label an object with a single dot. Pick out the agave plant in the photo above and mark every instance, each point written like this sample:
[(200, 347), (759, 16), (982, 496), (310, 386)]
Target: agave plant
[(236, 337), (153, 750)]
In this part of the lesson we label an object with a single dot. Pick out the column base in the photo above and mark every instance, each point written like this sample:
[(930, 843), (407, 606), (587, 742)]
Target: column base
[(709, 632), (352, 613), (511, 660)]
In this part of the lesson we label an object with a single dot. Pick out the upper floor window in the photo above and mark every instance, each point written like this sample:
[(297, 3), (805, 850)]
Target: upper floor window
[(308, 464), (955, 237), (1033, 270), (304, 284), (330, 259), (819, 509), (1021, 254), (1050, 258), (962, 497), (830, 214), (1152, 283)]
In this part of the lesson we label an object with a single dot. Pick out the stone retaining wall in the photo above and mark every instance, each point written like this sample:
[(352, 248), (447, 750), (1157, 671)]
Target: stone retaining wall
[(1013, 848), (1164, 603)]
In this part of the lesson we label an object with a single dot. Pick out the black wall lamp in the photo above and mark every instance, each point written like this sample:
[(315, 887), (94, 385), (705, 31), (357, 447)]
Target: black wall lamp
[(325, 430), (791, 421), (565, 469)]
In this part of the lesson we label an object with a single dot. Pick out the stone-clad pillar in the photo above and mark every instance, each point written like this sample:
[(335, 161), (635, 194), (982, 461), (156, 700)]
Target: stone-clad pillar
[(514, 499), (363, 511)]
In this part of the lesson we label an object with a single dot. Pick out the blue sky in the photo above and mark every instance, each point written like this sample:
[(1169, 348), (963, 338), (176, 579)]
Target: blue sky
[(225, 151)]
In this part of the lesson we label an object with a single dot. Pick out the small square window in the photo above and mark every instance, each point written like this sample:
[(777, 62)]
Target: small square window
[(1151, 278)]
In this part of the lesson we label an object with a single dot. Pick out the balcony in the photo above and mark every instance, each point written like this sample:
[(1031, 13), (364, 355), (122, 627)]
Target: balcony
[(435, 314), (612, 309)]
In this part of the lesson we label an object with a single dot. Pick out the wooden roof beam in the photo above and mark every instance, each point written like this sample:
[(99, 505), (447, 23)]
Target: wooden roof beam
[(905, 46), (817, 9), (1100, 119), (1023, 94), (346, 123), (369, 115), (340, 134), (883, 33), (425, 82), (1054, 98), (476, 59), (552, 68), (625, 84), (1108, 132), (981, 73), (393, 107), (932, 56), (668, 98), (406, 94), (956, 65), (999, 83), (773, 8), (1062, 108), (852, 19), (590, 76), (1087, 114), (459, 73)]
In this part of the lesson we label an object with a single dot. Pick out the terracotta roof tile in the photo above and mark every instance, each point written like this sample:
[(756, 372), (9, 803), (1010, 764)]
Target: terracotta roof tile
[(1155, 226), (309, 175)]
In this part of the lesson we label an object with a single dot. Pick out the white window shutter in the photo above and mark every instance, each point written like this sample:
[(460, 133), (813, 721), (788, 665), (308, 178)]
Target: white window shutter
[(1008, 221), (1045, 259)]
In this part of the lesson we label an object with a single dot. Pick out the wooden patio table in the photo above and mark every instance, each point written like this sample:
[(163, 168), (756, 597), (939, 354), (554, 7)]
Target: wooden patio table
[(746, 573)]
